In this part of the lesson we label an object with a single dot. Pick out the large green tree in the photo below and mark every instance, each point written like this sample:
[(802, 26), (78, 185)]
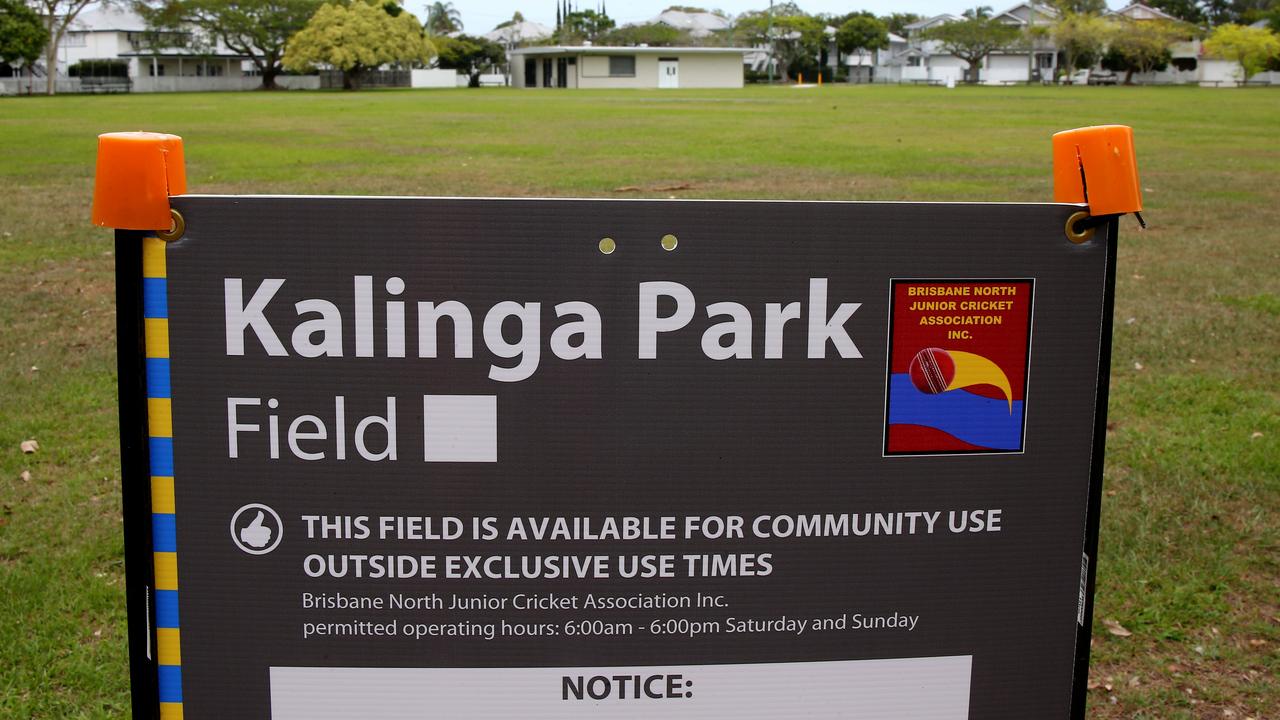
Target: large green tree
[(22, 36), (258, 29), (975, 37), (356, 38), (862, 33), (1253, 48), (470, 55), (1142, 46), (578, 26), (443, 18), (898, 22), (795, 37), (1080, 38)]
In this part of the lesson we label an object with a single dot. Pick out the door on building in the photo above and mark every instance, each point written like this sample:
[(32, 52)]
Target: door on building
[(530, 72), (562, 72), (668, 72), (546, 72)]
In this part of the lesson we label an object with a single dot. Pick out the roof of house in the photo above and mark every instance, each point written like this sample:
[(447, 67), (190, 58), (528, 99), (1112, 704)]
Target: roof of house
[(697, 24), (109, 18), (518, 31), (620, 50), (931, 21), (1140, 11)]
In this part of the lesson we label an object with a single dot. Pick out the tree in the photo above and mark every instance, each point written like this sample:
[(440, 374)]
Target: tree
[(898, 22), (22, 36), (794, 37), (579, 25), (355, 38), (1080, 37), (654, 34), (1079, 7), (516, 19), (443, 18), (471, 55), (862, 33), (974, 38), (1191, 11), (1253, 48), (1142, 46), (257, 29), (58, 16)]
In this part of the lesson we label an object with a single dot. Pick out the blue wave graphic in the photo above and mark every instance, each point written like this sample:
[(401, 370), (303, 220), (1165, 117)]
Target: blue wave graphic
[(972, 418)]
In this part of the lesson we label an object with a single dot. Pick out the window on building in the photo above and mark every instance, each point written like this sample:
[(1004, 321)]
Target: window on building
[(913, 61), (622, 66), (75, 39), (1044, 61), (562, 72)]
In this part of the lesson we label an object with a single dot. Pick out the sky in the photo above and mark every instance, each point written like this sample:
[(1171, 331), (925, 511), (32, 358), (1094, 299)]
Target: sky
[(480, 16)]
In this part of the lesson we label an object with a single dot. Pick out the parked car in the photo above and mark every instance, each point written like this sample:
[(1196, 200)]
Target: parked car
[(1089, 77), (1102, 77)]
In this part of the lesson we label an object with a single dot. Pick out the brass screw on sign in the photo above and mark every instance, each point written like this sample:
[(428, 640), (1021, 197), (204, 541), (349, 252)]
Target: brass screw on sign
[(176, 230), (1078, 236)]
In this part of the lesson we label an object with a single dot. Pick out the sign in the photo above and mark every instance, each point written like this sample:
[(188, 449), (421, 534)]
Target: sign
[(414, 457)]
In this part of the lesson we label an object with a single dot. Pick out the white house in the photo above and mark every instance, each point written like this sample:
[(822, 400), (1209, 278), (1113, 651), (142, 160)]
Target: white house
[(116, 33), (921, 59), (587, 66), (697, 24), (518, 33), (1189, 65), (154, 61)]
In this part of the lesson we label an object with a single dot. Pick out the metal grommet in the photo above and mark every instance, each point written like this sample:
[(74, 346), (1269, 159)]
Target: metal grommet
[(176, 230), (1082, 236)]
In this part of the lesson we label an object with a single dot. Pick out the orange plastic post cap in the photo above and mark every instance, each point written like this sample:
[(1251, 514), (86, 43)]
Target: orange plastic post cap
[(1097, 165), (137, 172)]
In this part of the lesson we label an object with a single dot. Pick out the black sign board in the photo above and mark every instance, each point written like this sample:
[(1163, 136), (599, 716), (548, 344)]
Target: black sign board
[(409, 457)]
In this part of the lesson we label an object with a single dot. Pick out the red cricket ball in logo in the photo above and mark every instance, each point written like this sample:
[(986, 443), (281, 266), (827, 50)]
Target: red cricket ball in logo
[(932, 370)]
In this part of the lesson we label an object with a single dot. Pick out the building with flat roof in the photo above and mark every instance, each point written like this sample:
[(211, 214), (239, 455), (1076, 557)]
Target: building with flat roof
[(587, 66)]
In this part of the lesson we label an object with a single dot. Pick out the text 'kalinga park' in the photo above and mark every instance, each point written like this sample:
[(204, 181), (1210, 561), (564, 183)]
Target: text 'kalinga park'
[(664, 307)]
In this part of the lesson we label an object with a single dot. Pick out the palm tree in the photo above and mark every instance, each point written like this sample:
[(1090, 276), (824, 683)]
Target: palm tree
[(982, 12), (443, 18)]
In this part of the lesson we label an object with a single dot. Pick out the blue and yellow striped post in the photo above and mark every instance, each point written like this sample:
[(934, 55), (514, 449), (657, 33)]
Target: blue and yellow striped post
[(155, 309), (136, 175)]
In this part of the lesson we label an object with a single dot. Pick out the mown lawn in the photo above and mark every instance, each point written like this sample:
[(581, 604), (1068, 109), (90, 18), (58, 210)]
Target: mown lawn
[(1190, 563)]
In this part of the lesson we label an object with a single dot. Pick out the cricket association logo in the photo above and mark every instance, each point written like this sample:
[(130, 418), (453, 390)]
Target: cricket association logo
[(958, 359)]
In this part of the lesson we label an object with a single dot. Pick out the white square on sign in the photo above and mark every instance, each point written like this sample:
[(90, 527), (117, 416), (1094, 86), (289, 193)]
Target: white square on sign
[(460, 428)]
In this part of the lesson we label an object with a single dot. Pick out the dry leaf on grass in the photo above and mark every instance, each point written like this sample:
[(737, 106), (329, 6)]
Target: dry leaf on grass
[(1116, 628), (29, 446), (25, 475)]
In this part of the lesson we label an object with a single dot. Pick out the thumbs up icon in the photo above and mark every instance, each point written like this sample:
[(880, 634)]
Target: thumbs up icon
[(255, 534), (262, 534)]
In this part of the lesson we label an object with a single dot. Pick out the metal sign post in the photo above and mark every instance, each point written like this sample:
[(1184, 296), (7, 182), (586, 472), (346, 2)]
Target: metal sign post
[(396, 457)]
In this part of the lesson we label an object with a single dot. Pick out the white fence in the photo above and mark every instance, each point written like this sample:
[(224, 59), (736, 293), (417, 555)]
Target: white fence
[(434, 78), (36, 86), (220, 84)]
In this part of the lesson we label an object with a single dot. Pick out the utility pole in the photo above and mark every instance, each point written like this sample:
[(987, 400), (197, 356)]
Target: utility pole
[(769, 60), (1031, 41)]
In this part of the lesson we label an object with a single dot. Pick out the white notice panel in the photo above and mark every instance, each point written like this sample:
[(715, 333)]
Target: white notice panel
[(934, 688)]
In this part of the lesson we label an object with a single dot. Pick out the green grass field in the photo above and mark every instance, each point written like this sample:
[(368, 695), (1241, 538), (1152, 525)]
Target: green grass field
[(1190, 561)]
